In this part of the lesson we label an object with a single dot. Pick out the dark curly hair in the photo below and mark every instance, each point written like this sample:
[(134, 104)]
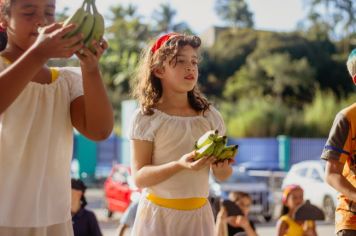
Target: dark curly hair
[(148, 89), (4, 12)]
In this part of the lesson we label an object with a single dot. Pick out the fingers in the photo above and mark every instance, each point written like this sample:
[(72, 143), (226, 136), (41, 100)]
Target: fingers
[(77, 39), (63, 30), (50, 28)]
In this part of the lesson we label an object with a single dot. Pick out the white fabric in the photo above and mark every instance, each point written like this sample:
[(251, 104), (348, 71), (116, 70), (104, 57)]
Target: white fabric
[(36, 144), (62, 229), (172, 137), (155, 220)]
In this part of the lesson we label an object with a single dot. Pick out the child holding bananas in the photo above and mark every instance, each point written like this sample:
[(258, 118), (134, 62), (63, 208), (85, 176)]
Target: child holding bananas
[(39, 106), (173, 114)]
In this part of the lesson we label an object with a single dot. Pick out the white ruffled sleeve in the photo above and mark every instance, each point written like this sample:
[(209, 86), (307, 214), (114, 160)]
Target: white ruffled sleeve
[(216, 120), (74, 77), (142, 127)]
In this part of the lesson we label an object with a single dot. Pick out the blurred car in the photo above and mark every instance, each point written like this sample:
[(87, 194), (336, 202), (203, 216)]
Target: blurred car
[(310, 176), (262, 198), (120, 189)]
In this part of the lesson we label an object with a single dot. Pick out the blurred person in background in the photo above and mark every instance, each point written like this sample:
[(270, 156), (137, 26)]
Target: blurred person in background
[(236, 225), (292, 198), (339, 152), (84, 221)]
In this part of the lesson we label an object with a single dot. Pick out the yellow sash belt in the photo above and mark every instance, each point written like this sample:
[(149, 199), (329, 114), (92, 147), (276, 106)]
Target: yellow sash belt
[(178, 204)]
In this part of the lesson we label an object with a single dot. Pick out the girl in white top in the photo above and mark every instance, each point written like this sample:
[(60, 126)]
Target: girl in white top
[(173, 115), (39, 106)]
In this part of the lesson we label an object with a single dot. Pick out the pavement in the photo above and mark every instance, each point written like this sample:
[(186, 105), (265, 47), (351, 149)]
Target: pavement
[(95, 198)]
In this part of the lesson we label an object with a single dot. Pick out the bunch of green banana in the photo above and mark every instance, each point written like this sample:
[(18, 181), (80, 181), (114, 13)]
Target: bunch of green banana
[(89, 22), (212, 144)]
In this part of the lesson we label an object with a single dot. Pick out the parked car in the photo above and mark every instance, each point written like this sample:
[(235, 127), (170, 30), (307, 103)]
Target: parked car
[(119, 189), (262, 199), (310, 176)]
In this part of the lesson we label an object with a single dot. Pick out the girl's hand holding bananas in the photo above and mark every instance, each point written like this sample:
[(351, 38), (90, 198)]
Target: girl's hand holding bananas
[(188, 161), (222, 169), (50, 42), (88, 59)]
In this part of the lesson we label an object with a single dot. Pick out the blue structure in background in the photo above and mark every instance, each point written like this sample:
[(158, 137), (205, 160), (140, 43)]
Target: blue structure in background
[(97, 158)]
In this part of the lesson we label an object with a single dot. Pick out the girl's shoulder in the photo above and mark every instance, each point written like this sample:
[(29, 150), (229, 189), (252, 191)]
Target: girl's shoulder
[(70, 72), (215, 119)]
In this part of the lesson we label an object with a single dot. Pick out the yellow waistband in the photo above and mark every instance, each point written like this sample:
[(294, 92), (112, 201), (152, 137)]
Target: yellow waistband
[(178, 204)]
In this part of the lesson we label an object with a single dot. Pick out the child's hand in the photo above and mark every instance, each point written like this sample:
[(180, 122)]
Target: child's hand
[(88, 59), (242, 221), (187, 161), (50, 42), (222, 214), (222, 169)]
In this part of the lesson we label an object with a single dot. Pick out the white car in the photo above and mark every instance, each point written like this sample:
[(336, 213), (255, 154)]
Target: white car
[(310, 176)]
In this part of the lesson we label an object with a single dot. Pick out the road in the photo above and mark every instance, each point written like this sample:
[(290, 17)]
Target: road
[(95, 198)]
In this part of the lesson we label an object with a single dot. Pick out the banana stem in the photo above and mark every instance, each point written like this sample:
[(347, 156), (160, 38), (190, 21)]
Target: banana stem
[(84, 2), (88, 5), (94, 7)]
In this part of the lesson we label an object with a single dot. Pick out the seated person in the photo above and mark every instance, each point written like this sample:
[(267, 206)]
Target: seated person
[(84, 221), (236, 224)]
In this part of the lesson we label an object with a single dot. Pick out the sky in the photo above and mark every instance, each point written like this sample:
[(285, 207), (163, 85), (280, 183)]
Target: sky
[(274, 15)]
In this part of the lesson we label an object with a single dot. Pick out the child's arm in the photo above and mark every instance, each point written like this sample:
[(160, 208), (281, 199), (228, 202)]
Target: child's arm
[(335, 178), (222, 170), (92, 113), (145, 174), (282, 228), (49, 44), (221, 224), (243, 222)]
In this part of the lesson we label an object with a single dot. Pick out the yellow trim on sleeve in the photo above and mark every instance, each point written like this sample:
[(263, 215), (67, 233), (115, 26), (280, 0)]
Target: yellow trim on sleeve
[(184, 204), (54, 73)]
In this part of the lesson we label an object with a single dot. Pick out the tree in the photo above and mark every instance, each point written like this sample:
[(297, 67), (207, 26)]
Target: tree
[(164, 20), (277, 76), (338, 15), (126, 36), (235, 12)]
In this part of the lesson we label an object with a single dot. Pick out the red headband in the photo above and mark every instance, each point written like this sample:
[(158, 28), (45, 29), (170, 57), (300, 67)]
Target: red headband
[(161, 40)]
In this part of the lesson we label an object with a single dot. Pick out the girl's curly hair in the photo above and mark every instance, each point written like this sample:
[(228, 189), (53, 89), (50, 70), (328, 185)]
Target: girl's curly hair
[(4, 12), (147, 88)]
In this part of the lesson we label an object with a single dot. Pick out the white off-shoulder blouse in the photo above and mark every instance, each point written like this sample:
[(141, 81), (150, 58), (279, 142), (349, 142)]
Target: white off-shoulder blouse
[(172, 137), (36, 145)]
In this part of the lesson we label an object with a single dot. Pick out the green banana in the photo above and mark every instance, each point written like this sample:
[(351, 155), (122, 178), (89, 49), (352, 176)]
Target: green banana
[(206, 138), (220, 144), (228, 152), (220, 138), (77, 19), (88, 23), (206, 150), (98, 28)]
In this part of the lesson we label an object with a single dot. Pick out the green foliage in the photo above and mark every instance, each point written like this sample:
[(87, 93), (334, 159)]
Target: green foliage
[(259, 117), (275, 76), (235, 12)]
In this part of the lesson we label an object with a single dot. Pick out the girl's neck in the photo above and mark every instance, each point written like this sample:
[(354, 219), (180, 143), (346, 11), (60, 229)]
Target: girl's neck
[(12, 53), (178, 101), (176, 105)]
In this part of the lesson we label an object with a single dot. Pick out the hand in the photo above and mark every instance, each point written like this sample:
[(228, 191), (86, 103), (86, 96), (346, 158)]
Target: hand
[(221, 167), (50, 42), (187, 161), (242, 221), (222, 214), (89, 60)]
